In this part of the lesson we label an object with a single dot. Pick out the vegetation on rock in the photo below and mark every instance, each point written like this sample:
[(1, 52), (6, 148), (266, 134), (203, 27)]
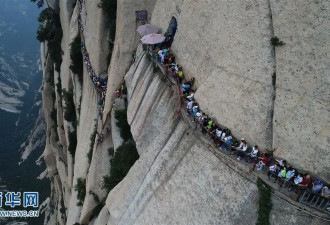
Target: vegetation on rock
[(40, 3), (276, 41), (110, 9), (69, 108), (265, 203), (274, 79), (91, 145), (111, 151), (53, 116), (96, 211), (124, 158), (72, 142), (80, 188), (125, 129), (76, 57), (50, 30)]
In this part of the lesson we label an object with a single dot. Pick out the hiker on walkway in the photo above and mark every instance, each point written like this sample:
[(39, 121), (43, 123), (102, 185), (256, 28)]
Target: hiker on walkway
[(242, 149), (306, 183), (191, 96), (317, 186), (204, 124), (227, 144), (325, 192), (189, 107), (262, 162)]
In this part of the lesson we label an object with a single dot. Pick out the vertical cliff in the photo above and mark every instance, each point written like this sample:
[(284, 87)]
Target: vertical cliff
[(226, 47)]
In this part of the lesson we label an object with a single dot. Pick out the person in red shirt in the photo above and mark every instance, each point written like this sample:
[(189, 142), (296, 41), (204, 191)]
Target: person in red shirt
[(262, 162), (306, 183)]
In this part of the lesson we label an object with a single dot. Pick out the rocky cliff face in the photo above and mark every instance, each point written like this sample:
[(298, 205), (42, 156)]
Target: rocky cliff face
[(226, 47)]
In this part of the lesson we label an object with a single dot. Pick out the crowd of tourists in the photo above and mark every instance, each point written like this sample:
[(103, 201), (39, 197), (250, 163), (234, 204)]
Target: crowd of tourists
[(279, 171), (99, 83)]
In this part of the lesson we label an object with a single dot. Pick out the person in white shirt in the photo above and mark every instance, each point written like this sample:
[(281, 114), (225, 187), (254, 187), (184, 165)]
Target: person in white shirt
[(241, 144), (191, 96), (273, 170), (218, 132), (223, 135), (189, 107), (241, 149), (281, 163), (289, 175), (162, 57), (160, 53), (253, 154), (298, 179)]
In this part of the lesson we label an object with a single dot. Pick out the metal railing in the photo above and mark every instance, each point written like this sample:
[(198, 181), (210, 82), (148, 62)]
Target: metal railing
[(315, 200)]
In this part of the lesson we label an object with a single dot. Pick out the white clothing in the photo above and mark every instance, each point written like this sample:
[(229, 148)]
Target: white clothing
[(298, 180), (223, 135), (228, 138), (280, 162), (218, 132), (272, 168), (240, 145), (191, 96), (290, 174), (254, 152), (190, 104)]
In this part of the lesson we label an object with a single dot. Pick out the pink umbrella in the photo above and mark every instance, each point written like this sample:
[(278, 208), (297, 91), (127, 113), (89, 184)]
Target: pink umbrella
[(153, 39), (147, 29)]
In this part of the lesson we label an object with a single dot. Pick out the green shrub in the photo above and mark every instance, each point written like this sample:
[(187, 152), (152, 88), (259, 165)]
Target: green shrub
[(110, 9), (91, 145), (62, 210), (54, 45), (72, 142), (53, 116), (96, 198), (53, 96), (80, 188), (111, 151), (50, 30), (43, 32), (69, 108), (276, 41), (46, 23), (124, 159), (125, 129), (265, 203), (59, 86), (76, 57), (96, 211), (50, 79), (40, 3), (274, 79)]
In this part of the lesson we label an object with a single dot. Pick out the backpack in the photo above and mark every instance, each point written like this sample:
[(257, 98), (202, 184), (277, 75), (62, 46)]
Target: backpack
[(282, 173), (318, 181)]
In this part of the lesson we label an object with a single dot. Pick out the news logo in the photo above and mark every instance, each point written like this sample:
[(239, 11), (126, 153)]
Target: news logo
[(30, 199), (15, 199)]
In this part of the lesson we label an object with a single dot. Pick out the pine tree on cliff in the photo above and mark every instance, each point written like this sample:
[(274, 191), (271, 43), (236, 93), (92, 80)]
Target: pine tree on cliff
[(40, 3)]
